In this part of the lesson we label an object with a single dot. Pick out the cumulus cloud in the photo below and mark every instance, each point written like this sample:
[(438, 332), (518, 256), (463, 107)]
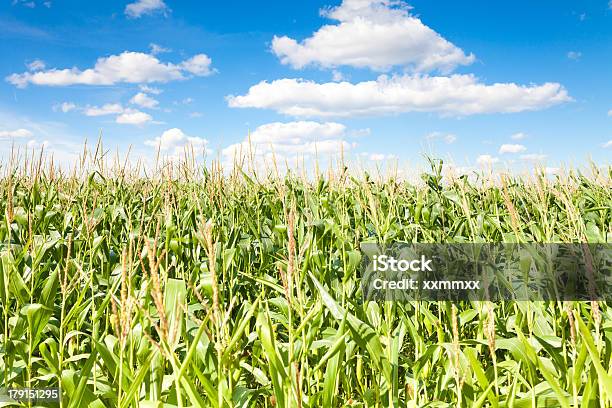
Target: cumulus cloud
[(198, 65), (174, 142), (511, 148), (15, 133), (574, 55), (486, 160), (106, 109), (290, 140), (133, 117), (607, 145), (142, 7), (377, 34), (456, 95), (144, 100), (127, 67)]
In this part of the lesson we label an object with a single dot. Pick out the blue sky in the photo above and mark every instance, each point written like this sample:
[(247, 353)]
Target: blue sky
[(481, 83)]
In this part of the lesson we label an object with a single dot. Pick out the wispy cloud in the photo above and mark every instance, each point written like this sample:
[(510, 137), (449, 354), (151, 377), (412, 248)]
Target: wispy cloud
[(140, 8), (447, 138), (36, 65), (158, 49), (107, 109), (11, 28), (15, 133)]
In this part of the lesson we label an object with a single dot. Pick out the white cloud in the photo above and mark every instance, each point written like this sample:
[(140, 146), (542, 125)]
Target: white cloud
[(511, 148), (125, 116), (34, 144), (448, 138), (36, 65), (610, 111), (456, 94), (127, 67), (106, 109), (380, 156), (574, 55), (607, 145), (290, 140), (25, 3), (486, 160), (551, 170), (174, 142), (377, 156), (518, 136), (15, 133), (158, 49), (360, 132), (63, 145), (31, 3), (195, 115), (337, 76), (534, 157), (198, 65), (65, 107), (377, 34), (141, 7), (150, 89), (133, 117), (144, 100)]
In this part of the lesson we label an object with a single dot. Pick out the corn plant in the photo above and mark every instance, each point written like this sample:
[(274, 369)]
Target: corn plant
[(201, 286)]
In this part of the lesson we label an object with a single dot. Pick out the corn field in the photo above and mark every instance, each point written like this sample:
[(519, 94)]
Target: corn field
[(194, 286)]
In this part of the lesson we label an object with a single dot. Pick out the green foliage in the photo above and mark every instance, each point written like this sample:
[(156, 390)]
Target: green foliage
[(217, 290)]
